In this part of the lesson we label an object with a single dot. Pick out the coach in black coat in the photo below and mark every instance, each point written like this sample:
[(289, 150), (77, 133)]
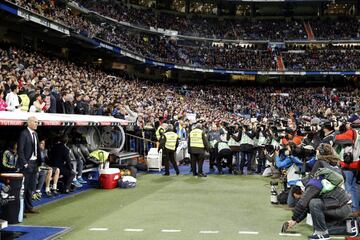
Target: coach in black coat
[(60, 158), (28, 160)]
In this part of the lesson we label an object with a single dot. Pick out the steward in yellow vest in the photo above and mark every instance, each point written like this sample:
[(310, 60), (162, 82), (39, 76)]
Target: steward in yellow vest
[(197, 145), (168, 143)]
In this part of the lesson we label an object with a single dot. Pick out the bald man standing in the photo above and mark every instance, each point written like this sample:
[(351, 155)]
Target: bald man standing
[(29, 157)]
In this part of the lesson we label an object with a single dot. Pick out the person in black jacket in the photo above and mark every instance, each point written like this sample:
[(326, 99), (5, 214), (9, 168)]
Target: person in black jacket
[(326, 209), (28, 160), (60, 158)]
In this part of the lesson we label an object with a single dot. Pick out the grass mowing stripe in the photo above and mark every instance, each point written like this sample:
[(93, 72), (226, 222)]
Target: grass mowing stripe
[(133, 230), (209, 232), (170, 230), (98, 229), (249, 233)]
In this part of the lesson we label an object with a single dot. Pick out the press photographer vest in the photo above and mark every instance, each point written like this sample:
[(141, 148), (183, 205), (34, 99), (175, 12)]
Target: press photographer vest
[(196, 138), (261, 141), (245, 139), (222, 146), (233, 143), (171, 140)]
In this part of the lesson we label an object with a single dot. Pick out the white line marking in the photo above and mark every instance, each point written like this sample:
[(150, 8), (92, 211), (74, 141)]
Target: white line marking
[(290, 234), (337, 237), (170, 230), (133, 230), (98, 229), (250, 233), (209, 232)]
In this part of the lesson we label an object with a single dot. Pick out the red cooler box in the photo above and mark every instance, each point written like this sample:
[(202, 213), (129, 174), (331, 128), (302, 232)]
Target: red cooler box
[(109, 178)]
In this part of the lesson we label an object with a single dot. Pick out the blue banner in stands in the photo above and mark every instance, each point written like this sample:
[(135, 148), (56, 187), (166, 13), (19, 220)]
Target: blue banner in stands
[(8, 9)]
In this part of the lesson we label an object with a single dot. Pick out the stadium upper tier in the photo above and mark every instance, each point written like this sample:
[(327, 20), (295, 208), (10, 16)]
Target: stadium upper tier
[(344, 28), (208, 54)]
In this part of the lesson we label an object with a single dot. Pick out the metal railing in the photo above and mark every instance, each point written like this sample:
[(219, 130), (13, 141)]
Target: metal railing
[(138, 144)]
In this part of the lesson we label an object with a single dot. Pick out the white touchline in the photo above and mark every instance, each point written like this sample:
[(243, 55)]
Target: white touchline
[(337, 237), (290, 234), (170, 230), (250, 233), (133, 230), (209, 232), (98, 229)]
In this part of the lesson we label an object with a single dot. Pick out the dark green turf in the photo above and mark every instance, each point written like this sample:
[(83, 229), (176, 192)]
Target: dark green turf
[(227, 204)]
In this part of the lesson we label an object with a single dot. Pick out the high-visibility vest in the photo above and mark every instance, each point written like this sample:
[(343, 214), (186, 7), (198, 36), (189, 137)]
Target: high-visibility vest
[(158, 132), (262, 140), (196, 139), (245, 139), (222, 146), (100, 155), (25, 102), (171, 140), (233, 143)]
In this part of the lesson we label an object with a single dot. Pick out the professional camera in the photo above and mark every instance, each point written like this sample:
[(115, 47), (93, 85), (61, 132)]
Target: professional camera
[(304, 152)]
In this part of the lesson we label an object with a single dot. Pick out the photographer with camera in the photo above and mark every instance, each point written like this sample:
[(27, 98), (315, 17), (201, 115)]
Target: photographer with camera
[(246, 148), (260, 142), (213, 137), (284, 158), (233, 137), (327, 133), (223, 151), (347, 145)]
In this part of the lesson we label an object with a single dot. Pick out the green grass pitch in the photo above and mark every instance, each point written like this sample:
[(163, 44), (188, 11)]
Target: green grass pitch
[(223, 205)]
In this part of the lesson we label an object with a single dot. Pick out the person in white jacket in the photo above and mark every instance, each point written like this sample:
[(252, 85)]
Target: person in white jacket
[(12, 99)]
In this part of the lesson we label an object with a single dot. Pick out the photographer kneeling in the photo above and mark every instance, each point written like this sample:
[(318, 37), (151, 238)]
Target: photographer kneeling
[(328, 207)]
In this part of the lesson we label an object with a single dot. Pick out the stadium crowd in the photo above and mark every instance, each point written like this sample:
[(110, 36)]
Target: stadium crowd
[(200, 53), (253, 124)]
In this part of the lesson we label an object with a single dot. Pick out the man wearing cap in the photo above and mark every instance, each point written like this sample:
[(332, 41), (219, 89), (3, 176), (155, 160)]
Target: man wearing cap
[(168, 143), (197, 143)]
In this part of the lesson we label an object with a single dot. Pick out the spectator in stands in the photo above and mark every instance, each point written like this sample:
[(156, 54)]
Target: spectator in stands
[(12, 99), (50, 101), (60, 105), (25, 100), (38, 105), (3, 104)]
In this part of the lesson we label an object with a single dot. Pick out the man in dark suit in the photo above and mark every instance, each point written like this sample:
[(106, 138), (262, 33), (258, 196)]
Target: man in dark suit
[(60, 157), (28, 160)]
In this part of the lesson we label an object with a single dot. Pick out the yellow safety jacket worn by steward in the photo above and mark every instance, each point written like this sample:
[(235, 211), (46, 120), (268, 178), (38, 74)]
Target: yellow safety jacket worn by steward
[(171, 140), (158, 132), (196, 138)]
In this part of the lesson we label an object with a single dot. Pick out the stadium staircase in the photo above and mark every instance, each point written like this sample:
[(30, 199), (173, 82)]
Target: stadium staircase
[(280, 63), (309, 31)]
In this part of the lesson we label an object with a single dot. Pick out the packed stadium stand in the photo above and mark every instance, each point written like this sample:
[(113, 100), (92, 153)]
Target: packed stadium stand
[(105, 94)]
